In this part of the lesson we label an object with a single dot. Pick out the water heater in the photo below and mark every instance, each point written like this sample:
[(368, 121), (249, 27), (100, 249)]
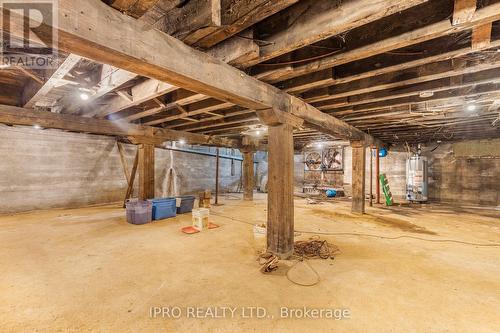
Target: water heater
[(416, 179)]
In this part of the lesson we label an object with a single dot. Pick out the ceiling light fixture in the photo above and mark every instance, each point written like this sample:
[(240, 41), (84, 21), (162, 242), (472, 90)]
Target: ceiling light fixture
[(471, 107), (182, 142), (36, 126), (84, 96), (426, 94), (255, 131)]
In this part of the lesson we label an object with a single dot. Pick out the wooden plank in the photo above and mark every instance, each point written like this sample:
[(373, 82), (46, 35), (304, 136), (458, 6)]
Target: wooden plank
[(192, 21), (486, 14), (312, 21), (236, 51), (280, 215), (460, 81), (154, 54), (111, 79), (463, 11), (412, 76), (358, 177), (239, 15), (404, 101), (146, 171), (248, 175), (140, 93), (69, 63), (481, 36), (130, 187), (18, 116), (134, 8), (124, 161)]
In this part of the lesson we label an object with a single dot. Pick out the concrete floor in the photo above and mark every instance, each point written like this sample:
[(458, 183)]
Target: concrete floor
[(88, 270)]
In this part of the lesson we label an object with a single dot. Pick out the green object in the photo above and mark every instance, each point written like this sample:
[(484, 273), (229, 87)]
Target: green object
[(387, 191)]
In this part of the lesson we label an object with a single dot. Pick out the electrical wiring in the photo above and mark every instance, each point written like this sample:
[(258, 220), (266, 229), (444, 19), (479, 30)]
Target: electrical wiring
[(373, 235)]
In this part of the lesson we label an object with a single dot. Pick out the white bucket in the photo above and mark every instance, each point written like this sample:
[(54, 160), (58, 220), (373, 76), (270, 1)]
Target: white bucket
[(260, 238)]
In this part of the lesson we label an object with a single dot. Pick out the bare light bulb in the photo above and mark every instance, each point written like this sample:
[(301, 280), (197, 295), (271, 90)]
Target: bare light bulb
[(84, 96)]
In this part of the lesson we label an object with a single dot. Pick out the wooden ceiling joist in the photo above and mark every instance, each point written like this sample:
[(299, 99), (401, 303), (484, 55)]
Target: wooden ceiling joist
[(482, 16), (111, 78), (311, 21), (139, 94), (154, 54), (463, 11), (54, 80), (134, 8)]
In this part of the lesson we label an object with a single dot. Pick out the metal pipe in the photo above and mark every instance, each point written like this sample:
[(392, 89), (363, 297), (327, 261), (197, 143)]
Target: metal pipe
[(377, 173), (217, 178)]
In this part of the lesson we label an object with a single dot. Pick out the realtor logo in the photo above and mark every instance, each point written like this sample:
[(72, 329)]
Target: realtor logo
[(28, 33)]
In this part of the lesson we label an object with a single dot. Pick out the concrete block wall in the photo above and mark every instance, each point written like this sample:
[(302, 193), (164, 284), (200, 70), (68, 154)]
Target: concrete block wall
[(42, 169), (466, 172)]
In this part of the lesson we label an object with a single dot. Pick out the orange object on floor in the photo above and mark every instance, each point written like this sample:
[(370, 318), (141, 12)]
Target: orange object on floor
[(192, 230)]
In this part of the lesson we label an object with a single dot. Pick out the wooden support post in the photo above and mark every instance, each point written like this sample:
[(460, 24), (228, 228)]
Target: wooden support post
[(217, 177), (371, 177), (280, 223), (377, 173), (481, 36), (358, 177), (124, 161), (130, 187), (146, 171), (248, 175)]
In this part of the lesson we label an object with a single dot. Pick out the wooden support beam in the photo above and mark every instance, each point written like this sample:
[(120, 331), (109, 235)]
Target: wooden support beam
[(68, 64), (248, 175), (358, 177), (146, 171), (124, 161), (236, 51), (413, 76), (240, 15), (192, 21), (280, 215), (317, 20), (134, 8), (111, 79), (18, 116), (468, 91), (140, 93), (481, 36), (154, 54), (486, 14), (130, 187), (463, 11)]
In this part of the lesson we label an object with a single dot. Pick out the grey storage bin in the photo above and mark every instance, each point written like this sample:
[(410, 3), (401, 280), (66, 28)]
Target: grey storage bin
[(139, 212)]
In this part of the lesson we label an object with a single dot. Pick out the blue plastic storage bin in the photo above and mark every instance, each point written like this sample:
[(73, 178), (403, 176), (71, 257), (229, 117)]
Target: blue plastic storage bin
[(187, 203), (164, 208)]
